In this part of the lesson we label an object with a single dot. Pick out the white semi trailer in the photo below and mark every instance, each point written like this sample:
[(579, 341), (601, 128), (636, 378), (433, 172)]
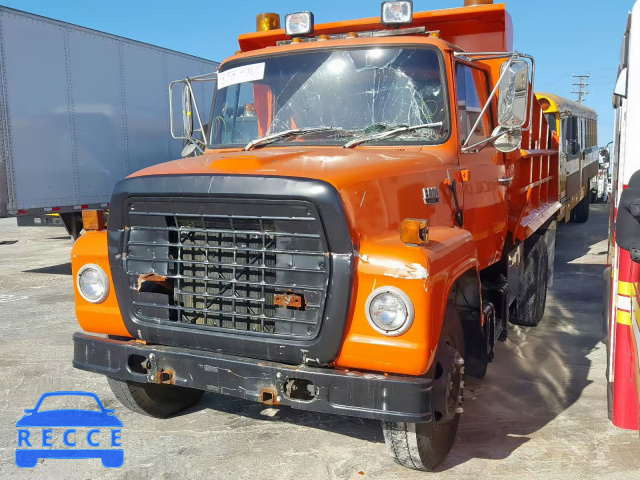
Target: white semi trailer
[(79, 111)]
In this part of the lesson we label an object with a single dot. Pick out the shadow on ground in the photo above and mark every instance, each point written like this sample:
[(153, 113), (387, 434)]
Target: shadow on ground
[(62, 269), (537, 374)]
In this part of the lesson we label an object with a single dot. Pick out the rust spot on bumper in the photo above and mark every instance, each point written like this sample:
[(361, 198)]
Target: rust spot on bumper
[(269, 396)]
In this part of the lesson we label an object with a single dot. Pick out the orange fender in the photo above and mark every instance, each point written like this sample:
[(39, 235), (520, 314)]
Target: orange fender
[(426, 275), (104, 317)]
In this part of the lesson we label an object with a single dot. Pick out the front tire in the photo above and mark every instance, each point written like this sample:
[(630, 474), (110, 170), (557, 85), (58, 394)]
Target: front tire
[(423, 446), (160, 401)]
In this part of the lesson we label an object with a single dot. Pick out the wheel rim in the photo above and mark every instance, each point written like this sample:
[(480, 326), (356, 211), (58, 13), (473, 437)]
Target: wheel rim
[(448, 385)]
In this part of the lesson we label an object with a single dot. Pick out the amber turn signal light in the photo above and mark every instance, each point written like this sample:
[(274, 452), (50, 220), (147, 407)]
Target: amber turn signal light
[(414, 231), (93, 220)]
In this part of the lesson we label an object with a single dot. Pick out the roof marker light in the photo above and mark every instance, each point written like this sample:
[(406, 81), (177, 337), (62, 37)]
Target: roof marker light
[(298, 23), (397, 13), (267, 21)]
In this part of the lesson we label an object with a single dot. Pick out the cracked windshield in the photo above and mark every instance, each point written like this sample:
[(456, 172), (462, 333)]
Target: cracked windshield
[(345, 94)]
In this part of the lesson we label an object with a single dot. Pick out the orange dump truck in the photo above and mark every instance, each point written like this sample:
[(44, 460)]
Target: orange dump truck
[(375, 202)]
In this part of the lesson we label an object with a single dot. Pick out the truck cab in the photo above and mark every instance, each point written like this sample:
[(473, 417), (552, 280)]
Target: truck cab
[(374, 202)]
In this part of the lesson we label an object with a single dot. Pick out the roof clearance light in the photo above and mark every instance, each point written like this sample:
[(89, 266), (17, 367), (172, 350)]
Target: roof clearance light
[(296, 24), (397, 13), (267, 21)]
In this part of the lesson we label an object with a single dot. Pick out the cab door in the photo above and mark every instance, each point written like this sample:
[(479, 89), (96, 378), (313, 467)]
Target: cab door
[(484, 175)]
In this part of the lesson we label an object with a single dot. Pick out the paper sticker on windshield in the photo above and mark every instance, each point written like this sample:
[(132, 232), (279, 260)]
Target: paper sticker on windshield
[(246, 73)]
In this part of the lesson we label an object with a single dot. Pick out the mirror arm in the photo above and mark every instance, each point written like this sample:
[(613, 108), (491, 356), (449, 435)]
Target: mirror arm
[(533, 91), (478, 56), (486, 106), (207, 77), (195, 106), (482, 143)]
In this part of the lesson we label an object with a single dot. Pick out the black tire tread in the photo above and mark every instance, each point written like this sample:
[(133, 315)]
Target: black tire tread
[(160, 401), (581, 211), (422, 446), (529, 311)]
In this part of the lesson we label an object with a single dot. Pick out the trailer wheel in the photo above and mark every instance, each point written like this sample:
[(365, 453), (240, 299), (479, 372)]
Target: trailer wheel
[(160, 401), (532, 293), (423, 446), (581, 211)]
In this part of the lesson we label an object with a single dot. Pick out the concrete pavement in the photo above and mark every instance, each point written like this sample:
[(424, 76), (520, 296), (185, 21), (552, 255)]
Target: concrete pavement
[(540, 412)]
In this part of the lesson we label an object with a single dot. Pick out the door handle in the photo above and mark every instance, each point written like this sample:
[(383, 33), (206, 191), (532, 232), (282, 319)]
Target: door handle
[(505, 180)]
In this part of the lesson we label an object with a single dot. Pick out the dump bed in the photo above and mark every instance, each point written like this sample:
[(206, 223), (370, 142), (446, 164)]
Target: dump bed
[(80, 110), (533, 196)]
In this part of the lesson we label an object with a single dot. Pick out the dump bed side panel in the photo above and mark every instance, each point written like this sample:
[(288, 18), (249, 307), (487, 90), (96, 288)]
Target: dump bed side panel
[(533, 196), (84, 109)]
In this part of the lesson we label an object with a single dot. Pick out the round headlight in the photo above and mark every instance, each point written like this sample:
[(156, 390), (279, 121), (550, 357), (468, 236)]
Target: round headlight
[(93, 283), (390, 311)]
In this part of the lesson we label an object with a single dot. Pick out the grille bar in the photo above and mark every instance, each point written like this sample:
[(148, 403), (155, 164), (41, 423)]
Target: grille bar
[(221, 313), (239, 249), (217, 230), (229, 297), (236, 217), (220, 264), (282, 286)]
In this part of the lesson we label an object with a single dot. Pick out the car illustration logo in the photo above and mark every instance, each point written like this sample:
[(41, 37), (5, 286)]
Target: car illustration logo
[(69, 433)]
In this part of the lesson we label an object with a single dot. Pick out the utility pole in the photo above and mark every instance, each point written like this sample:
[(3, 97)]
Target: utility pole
[(582, 85)]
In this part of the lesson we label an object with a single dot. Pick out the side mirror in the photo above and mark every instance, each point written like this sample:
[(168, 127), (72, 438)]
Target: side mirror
[(188, 150), (508, 139), (513, 99), (621, 84), (628, 219), (575, 147)]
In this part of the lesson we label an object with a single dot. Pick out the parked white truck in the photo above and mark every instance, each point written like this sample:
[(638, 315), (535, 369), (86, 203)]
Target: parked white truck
[(79, 111)]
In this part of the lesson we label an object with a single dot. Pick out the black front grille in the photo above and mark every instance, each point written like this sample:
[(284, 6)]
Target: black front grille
[(222, 265)]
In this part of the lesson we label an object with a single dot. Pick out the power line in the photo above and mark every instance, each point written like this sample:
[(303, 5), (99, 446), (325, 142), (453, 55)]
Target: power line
[(582, 85)]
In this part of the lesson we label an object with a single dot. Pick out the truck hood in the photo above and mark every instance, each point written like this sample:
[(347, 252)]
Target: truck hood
[(341, 167), (379, 186)]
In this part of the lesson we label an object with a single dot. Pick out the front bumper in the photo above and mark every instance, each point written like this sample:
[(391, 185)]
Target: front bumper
[(359, 394)]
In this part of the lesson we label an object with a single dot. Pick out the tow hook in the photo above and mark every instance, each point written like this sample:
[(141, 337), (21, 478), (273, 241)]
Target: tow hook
[(157, 374)]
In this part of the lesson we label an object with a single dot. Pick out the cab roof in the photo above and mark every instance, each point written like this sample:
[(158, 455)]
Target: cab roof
[(477, 28)]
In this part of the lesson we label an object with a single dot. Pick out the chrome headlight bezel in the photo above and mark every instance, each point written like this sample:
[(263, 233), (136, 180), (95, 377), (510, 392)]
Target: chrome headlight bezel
[(103, 277), (405, 300)]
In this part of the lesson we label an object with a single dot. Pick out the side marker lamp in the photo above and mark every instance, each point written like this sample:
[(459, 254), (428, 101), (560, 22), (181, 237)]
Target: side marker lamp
[(414, 231), (93, 220)]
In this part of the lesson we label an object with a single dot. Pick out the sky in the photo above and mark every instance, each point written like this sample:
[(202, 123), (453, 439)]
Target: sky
[(566, 37)]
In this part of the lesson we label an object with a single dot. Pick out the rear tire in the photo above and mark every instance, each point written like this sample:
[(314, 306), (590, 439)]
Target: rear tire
[(423, 446), (160, 401), (532, 292), (581, 210)]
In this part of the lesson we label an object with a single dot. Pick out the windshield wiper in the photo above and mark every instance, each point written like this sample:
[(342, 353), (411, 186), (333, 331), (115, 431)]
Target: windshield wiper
[(390, 133), (274, 137)]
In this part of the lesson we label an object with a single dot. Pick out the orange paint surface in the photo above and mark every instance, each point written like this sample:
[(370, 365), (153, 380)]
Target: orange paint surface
[(97, 318)]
